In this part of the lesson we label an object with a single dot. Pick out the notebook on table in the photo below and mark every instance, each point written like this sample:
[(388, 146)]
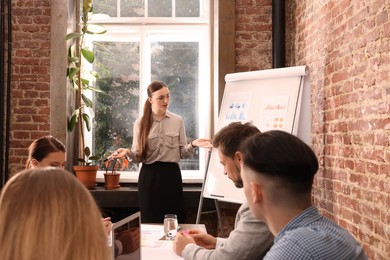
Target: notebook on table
[(125, 238)]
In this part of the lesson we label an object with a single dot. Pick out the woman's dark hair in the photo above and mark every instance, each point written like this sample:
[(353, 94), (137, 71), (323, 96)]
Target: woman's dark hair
[(282, 156), (147, 119), (43, 146)]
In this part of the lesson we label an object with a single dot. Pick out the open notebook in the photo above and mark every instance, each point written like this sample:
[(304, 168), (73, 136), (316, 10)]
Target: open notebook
[(125, 238)]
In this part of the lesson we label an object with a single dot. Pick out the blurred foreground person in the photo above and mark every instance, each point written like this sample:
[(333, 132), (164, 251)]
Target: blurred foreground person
[(46, 213)]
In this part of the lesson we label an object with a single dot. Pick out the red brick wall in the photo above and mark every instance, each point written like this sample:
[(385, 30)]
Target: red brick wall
[(30, 92), (253, 35), (346, 45)]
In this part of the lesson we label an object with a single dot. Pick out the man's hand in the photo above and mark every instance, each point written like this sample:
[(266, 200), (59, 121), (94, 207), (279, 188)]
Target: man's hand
[(203, 239), (182, 239)]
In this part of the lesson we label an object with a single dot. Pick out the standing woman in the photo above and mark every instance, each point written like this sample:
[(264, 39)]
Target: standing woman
[(46, 151), (159, 142)]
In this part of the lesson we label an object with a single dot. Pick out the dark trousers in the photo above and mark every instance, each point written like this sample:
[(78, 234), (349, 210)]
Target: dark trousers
[(160, 191)]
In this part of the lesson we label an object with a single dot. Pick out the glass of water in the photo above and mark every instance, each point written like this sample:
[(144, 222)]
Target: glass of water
[(170, 226)]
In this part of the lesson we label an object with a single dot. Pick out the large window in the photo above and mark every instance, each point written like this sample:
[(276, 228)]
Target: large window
[(150, 40)]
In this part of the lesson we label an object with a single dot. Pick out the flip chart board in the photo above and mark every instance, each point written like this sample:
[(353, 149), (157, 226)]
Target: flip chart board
[(270, 99)]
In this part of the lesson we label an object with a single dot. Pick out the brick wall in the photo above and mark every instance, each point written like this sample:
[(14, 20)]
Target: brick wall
[(346, 45), (253, 35), (30, 93)]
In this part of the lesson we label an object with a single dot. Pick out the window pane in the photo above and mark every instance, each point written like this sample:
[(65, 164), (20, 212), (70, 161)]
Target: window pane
[(176, 64), (160, 8), (117, 108), (108, 7), (187, 8), (132, 8)]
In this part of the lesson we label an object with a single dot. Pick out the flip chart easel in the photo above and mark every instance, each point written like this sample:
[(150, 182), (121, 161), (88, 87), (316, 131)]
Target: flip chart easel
[(270, 99)]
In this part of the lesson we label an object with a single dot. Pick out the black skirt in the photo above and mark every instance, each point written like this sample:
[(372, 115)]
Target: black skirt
[(160, 192)]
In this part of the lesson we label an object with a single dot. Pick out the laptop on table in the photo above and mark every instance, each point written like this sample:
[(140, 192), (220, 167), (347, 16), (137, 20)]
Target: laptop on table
[(125, 238)]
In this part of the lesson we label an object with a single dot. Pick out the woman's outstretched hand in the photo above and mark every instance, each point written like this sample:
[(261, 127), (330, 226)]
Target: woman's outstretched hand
[(202, 142), (121, 152)]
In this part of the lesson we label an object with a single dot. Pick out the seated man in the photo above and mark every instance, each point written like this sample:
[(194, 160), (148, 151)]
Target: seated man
[(250, 238), (278, 170)]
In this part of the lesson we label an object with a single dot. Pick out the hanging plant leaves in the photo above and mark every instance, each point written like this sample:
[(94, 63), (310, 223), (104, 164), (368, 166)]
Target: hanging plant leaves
[(72, 122), (88, 55), (72, 36), (87, 122), (87, 151), (96, 29), (87, 101), (71, 72), (87, 6)]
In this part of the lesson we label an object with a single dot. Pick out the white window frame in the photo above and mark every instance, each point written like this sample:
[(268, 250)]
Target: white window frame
[(166, 29)]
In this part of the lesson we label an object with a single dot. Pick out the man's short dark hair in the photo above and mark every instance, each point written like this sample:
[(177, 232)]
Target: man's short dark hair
[(229, 138), (282, 156)]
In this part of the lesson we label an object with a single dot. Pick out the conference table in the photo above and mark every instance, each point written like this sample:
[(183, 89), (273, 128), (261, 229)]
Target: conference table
[(154, 245)]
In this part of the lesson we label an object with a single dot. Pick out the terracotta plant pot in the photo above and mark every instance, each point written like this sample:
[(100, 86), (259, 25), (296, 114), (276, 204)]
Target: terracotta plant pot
[(87, 175), (112, 181)]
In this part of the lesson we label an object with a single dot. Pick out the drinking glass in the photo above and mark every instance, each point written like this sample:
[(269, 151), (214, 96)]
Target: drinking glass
[(170, 226)]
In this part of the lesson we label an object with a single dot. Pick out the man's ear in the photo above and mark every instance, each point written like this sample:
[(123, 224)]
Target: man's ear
[(238, 155), (257, 192)]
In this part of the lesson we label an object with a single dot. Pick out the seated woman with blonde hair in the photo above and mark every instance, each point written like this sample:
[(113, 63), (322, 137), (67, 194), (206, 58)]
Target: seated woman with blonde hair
[(46, 213)]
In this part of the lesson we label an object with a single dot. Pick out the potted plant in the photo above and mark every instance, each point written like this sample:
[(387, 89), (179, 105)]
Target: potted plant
[(112, 177), (81, 81)]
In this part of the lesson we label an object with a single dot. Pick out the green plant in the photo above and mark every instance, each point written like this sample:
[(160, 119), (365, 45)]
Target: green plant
[(80, 80)]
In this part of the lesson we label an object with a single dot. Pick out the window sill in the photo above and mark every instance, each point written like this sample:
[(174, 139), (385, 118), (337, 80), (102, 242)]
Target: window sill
[(132, 177)]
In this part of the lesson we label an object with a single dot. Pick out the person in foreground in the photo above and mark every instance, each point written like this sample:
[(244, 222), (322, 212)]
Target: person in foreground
[(46, 151), (250, 238), (278, 170), (46, 213), (160, 142)]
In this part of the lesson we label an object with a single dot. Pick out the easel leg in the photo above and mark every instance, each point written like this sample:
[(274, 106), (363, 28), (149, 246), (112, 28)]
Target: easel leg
[(216, 202)]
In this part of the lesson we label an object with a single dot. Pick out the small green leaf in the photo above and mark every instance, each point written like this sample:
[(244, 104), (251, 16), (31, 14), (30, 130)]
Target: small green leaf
[(73, 59), (94, 158), (72, 122), (71, 72), (81, 160), (94, 89), (85, 81), (87, 122), (87, 151), (96, 29), (88, 55), (72, 36), (74, 84), (94, 73), (87, 5), (87, 101)]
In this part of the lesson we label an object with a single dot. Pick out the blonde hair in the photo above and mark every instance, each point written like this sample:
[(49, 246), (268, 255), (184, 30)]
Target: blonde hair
[(45, 213)]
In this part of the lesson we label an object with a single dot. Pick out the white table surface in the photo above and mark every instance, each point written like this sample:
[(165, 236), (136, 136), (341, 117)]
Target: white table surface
[(154, 247)]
